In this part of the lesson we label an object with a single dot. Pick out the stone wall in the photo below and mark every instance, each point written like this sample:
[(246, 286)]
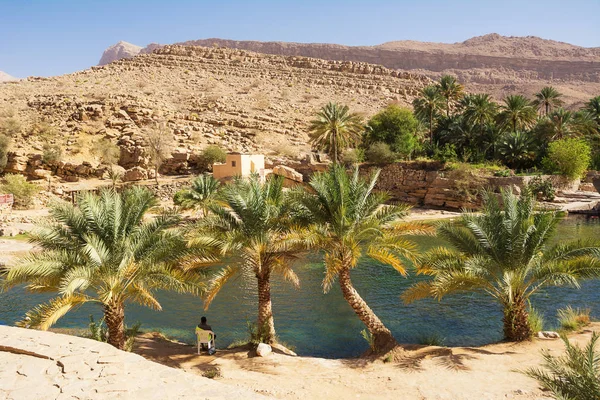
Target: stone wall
[(427, 184)]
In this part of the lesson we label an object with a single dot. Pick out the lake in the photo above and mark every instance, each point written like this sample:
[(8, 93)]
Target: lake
[(324, 325)]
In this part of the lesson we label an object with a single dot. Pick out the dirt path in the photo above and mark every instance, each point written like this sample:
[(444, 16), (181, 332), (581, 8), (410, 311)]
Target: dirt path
[(487, 372)]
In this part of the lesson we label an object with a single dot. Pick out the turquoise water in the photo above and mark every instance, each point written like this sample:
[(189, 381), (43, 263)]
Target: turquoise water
[(318, 324)]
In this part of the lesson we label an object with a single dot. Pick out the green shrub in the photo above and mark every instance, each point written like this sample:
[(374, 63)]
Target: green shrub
[(568, 157), (22, 190), (542, 189), (573, 319), (380, 153), (432, 339), (369, 339), (353, 156), (536, 320), (210, 155), (107, 151), (212, 373), (51, 153), (447, 153), (4, 146), (574, 375), (10, 127), (395, 126)]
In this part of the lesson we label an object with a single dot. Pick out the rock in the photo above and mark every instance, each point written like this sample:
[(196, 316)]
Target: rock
[(263, 350), (119, 51), (288, 172), (41, 174), (9, 231), (548, 335), (135, 174)]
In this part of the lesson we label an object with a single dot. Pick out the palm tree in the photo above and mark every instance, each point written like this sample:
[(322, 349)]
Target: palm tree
[(103, 251), (335, 129), (517, 150), (517, 113), (251, 224), (564, 123), (547, 99), (574, 376), (505, 254), (480, 112), (428, 105), (593, 107), (450, 90), (349, 220), (201, 195)]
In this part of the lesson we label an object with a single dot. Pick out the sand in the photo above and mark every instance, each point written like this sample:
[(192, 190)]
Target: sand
[(419, 372)]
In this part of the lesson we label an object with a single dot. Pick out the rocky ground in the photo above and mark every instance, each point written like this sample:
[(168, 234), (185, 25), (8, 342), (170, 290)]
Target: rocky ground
[(40, 365), (418, 372)]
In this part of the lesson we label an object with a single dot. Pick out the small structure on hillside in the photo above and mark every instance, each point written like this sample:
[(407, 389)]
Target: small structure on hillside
[(238, 164)]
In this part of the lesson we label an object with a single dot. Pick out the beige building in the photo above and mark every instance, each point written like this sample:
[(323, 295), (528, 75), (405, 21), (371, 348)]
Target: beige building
[(238, 164)]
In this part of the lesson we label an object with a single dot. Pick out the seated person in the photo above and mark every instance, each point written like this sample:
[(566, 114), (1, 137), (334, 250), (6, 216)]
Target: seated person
[(205, 327)]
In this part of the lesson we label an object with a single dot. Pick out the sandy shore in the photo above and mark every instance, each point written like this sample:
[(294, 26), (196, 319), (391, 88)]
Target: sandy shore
[(418, 372)]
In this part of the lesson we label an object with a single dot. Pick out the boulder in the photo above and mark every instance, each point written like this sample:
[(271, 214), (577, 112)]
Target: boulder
[(287, 172), (263, 350), (135, 174), (548, 335)]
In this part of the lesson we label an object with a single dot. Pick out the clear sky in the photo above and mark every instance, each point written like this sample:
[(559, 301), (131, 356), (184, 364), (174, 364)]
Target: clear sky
[(53, 37)]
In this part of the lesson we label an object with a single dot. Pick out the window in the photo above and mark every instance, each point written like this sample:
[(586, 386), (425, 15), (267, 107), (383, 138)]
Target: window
[(233, 163)]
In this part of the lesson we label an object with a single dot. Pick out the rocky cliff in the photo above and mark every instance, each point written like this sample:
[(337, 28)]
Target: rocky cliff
[(4, 77), (119, 51)]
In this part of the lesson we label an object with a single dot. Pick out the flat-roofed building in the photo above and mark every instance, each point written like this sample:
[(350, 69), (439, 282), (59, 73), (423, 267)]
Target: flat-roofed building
[(238, 164)]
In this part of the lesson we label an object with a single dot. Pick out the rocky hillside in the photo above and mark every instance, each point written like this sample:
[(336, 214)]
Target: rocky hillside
[(4, 77), (492, 63), (237, 99)]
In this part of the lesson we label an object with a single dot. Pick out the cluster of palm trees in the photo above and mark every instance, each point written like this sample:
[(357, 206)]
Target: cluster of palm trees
[(516, 131), (110, 250)]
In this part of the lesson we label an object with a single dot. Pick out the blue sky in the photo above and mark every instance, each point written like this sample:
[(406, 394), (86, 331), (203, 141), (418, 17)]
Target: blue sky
[(54, 37)]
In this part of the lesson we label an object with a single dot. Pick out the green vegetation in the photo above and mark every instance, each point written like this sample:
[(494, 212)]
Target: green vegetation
[(23, 191), (518, 132), (573, 319), (10, 127), (202, 194), (573, 376), (346, 222), (432, 339), (504, 254), (4, 147), (106, 151), (542, 189), (335, 129), (103, 251), (396, 127), (380, 153), (210, 155), (536, 320), (568, 157), (51, 153)]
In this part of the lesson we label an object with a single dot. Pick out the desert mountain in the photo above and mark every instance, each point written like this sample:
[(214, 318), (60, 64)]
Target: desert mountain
[(4, 77), (119, 51), (236, 99)]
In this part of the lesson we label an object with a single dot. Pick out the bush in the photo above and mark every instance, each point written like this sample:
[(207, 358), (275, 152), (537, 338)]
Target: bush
[(4, 146), (22, 190), (380, 153), (432, 339), (573, 319), (353, 156), (395, 126), (107, 151), (10, 127), (536, 320), (447, 153), (542, 189), (574, 375), (568, 157), (212, 154), (51, 153)]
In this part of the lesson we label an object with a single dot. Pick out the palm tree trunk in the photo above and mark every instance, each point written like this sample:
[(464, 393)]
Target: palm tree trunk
[(383, 339), (447, 107), (114, 315), (431, 128), (266, 325), (516, 321)]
